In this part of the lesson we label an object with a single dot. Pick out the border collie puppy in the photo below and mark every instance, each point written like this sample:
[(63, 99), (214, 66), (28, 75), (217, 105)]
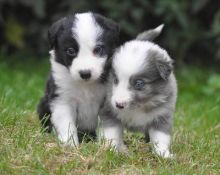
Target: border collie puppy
[(142, 94), (80, 49)]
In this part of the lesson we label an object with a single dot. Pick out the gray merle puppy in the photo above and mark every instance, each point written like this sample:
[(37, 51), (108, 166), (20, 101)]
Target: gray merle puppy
[(80, 47), (142, 94)]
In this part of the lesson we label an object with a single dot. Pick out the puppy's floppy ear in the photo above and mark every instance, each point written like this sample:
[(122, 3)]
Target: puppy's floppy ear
[(53, 31), (150, 35), (108, 25), (164, 68), (162, 61)]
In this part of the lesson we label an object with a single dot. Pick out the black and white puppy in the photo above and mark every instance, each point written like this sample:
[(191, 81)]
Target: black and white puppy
[(142, 94), (80, 47)]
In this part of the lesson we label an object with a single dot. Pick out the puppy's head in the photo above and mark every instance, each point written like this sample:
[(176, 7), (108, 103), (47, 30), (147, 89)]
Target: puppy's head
[(141, 71), (83, 43)]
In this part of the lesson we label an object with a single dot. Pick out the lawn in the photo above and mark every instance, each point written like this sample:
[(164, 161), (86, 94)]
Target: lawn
[(25, 150)]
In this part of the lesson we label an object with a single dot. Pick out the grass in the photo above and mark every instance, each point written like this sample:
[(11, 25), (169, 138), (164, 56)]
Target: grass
[(25, 150)]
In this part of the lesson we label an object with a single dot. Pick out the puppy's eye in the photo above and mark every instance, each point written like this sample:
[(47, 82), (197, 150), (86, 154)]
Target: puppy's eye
[(115, 80), (71, 52), (99, 50), (139, 84)]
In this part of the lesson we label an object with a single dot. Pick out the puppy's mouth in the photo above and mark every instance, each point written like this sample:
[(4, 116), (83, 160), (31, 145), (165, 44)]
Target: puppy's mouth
[(127, 106), (121, 106), (86, 81)]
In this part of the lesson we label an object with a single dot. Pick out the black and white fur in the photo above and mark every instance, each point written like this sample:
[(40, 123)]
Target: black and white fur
[(80, 49), (142, 94)]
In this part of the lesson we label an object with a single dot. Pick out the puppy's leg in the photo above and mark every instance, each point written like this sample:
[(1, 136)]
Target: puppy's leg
[(63, 119), (112, 131), (160, 136), (161, 142), (44, 114), (146, 137)]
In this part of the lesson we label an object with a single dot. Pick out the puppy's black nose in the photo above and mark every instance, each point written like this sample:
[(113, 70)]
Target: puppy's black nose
[(120, 105), (85, 74)]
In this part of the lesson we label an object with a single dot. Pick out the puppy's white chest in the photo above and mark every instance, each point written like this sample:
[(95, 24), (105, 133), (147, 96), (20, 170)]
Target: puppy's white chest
[(88, 100), (135, 118)]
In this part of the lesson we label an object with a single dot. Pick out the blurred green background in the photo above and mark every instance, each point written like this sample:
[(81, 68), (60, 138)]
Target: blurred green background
[(191, 34)]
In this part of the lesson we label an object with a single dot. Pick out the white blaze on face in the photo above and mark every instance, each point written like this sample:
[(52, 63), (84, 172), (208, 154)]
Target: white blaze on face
[(86, 32), (121, 94), (128, 61)]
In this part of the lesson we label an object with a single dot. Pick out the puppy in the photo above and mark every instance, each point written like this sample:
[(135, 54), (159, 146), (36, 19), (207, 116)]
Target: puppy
[(80, 49), (142, 94)]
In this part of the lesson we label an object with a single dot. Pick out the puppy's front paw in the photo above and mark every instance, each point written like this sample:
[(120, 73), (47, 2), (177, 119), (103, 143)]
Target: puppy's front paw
[(118, 147), (122, 148), (73, 141), (165, 153)]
